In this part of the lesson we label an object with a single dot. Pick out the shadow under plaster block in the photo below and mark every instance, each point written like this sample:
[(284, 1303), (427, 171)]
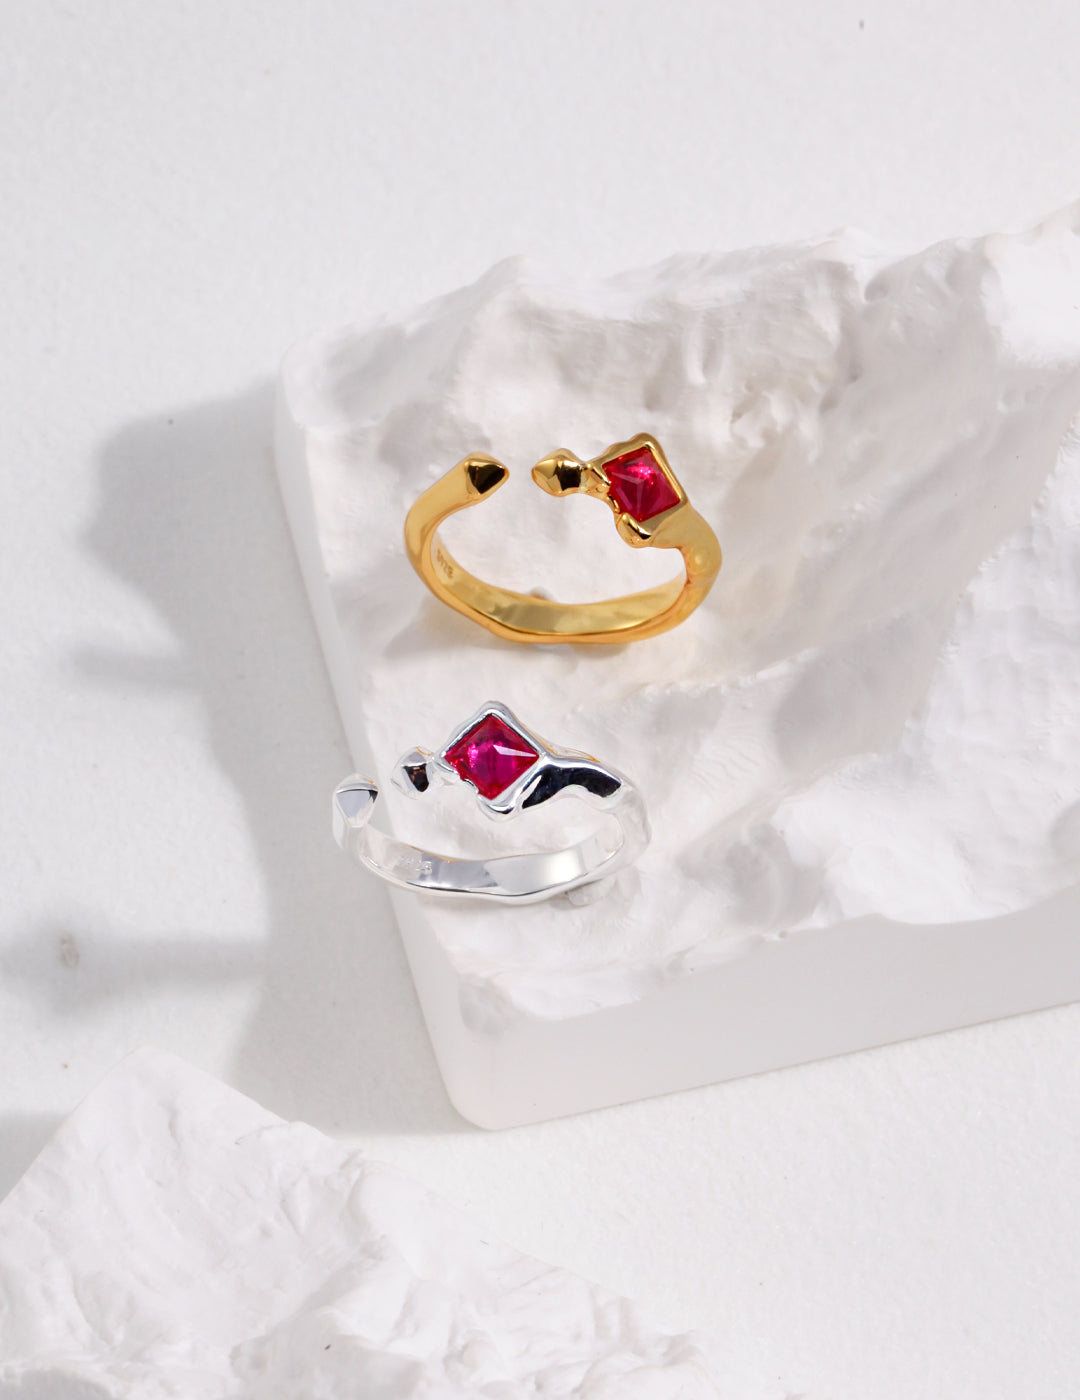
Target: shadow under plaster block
[(861, 755)]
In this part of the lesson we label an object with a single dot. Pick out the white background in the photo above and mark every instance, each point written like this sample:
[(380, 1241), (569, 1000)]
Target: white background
[(187, 188)]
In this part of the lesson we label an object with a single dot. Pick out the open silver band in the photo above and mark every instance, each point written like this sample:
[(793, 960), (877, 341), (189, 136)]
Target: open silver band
[(549, 774)]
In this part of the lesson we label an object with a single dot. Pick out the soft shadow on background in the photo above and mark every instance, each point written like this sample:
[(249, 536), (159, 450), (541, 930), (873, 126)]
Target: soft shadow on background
[(22, 1136), (190, 515)]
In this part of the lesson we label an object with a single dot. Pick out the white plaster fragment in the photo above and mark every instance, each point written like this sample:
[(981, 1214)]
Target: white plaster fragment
[(177, 1240)]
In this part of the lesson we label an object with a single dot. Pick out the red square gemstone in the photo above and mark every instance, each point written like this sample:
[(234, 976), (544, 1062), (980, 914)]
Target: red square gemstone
[(491, 756), (639, 486)]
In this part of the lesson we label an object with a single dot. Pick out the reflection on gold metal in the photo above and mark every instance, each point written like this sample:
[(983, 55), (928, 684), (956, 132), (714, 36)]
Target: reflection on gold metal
[(626, 467)]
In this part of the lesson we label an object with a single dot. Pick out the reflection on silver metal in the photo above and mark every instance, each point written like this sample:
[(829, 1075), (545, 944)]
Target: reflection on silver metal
[(509, 770)]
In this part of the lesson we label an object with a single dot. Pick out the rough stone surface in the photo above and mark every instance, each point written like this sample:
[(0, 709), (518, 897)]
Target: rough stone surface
[(176, 1240), (877, 710)]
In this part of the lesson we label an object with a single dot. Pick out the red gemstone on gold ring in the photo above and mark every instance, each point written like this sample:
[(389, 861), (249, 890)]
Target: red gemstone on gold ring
[(639, 486), (491, 756)]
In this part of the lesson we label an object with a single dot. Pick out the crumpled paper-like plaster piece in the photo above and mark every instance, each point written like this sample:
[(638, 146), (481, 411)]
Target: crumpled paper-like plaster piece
[(177, 1240)]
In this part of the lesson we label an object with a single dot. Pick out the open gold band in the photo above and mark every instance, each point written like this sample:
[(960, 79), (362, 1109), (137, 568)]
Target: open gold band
[(651, 510)]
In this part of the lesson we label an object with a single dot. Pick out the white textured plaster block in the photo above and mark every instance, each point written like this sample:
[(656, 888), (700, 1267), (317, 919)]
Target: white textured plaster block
[(861, 755), (176, 1240)]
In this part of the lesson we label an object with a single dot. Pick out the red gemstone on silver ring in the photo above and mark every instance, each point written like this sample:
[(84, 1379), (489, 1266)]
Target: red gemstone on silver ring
[(491, 756), (639, 486)]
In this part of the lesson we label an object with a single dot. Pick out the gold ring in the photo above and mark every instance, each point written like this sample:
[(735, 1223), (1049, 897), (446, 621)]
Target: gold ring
[(651, 510)]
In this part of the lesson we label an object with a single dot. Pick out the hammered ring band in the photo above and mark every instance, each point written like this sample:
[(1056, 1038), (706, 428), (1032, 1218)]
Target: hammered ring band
[(651, 511), (510, 770)]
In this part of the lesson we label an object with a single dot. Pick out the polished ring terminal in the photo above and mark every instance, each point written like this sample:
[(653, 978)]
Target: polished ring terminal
[(651, 511), (510, 771)]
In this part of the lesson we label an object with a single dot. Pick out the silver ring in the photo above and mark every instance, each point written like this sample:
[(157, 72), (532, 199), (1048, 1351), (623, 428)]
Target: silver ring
[(510, 770)]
